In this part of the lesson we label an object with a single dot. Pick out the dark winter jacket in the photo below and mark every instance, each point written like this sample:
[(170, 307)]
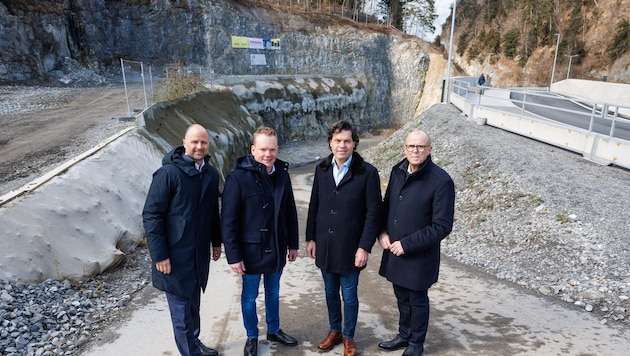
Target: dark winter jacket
[(181, 220), (344, 217), (259, 218), (419, 211)]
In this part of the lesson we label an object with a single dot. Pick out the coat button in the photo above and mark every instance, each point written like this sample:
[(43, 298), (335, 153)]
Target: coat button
[(330, 231), (395, 221), (333, 211), (400, 197)]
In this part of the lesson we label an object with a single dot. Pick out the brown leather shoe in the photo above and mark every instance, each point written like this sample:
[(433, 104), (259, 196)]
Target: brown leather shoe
[(348, 347), (333, 338)]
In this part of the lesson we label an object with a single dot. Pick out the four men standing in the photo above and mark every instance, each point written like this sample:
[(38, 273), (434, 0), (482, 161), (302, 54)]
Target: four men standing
[(259, 229)]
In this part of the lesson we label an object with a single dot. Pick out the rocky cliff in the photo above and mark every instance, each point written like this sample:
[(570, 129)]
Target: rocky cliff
[(43, 41)]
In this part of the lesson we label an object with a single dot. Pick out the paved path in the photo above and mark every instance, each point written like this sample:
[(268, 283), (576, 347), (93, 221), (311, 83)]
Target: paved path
[(472, 314)]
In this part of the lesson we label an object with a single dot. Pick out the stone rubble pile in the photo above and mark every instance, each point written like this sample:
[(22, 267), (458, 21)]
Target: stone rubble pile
[(58, 317)]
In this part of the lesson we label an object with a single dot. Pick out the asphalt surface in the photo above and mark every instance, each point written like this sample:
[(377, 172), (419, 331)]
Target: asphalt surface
[(471, 314)]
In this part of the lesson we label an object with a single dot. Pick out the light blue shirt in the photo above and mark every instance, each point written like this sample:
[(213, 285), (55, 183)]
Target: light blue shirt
[(340, 172)]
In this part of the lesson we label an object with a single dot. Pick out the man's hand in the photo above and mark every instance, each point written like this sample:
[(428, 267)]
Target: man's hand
[(310, 249), (164, 266), (216, 253), (238, 267), (293, 255), (361, 257), (397, 249), (384, 241)]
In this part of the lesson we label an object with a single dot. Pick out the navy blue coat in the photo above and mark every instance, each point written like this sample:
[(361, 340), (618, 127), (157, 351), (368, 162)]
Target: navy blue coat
[(258, 216), (344, 217), (181, 221), (419, 211)]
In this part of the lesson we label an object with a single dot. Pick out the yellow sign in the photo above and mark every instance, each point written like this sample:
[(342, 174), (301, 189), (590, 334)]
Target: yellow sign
[(240, 42)]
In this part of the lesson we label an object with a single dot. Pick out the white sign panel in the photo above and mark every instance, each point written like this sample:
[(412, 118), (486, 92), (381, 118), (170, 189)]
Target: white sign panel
[(256, 43), (258, 59)]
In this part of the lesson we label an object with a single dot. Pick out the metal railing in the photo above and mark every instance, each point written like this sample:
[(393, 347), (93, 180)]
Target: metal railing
[(610, 120), (599, 131)]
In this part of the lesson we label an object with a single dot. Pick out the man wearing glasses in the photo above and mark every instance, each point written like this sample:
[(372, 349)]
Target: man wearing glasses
[(419, 206)]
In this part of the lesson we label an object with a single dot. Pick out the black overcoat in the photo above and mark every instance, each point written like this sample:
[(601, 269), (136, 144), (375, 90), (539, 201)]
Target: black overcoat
[(344, 217), (258, 216), (419, 211), (181, 221)]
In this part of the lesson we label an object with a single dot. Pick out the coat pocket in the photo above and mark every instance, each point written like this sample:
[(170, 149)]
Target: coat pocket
[(252, 248), (175, 229)]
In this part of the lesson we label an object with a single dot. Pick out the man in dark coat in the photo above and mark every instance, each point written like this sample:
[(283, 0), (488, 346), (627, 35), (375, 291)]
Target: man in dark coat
[(343, 223), (259, 224), (419, 206), (482, 80), (181, 221)]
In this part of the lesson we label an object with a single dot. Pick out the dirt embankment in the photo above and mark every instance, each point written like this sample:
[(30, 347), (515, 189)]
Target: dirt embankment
[(43, 127)]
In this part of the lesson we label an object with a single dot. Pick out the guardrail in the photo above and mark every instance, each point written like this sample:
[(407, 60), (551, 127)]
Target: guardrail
[(599, 131)]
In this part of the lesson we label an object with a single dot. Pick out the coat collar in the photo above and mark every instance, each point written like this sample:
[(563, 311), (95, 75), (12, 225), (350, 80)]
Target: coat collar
[(402, 165), (357, 164)]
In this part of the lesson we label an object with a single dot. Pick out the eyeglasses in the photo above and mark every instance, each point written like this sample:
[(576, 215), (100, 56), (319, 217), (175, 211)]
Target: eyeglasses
[(415, 148)]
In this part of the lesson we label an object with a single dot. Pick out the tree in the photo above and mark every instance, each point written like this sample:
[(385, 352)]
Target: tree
[(509, 45), (419, 16), (414, 16), (620, 43)]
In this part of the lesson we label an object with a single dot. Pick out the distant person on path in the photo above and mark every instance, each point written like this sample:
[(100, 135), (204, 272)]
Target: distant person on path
[(343, 223), (181, 221), (259, 224), (418, 208), (482, 80)]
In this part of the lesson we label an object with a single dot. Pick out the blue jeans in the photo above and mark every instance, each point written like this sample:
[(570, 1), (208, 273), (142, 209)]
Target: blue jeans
[(249, 294), (185, 319), (348, 283), (413, 306)]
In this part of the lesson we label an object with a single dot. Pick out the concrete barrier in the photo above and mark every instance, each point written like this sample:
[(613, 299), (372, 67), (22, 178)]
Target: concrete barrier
[(498, 111)]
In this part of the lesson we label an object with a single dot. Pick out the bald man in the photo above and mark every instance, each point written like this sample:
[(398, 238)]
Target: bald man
[(181, 221), (419, 206)]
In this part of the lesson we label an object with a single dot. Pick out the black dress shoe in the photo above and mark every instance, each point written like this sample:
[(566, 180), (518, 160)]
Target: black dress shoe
[(251, 347), (413, 350), (282, 338), (396, 344), (207, 351)]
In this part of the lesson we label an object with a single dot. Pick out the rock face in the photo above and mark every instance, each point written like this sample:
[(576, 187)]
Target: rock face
[(48, 41), (303, 107)]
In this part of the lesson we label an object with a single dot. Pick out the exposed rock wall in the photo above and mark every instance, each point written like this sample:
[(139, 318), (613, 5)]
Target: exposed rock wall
[(302, 108), (40, 39)]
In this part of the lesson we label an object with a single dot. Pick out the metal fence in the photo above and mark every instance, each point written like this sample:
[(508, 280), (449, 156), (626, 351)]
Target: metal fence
[(610, 120)]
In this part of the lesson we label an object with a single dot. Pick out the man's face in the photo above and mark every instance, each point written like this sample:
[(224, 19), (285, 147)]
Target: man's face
[(342, 145), (265, 150), (196, 144), (417, 148)]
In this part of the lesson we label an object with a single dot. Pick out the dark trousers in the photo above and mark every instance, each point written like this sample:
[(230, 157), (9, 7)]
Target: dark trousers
[(186, 322), (413, 306)]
